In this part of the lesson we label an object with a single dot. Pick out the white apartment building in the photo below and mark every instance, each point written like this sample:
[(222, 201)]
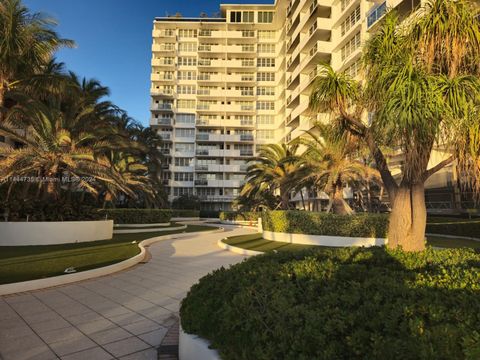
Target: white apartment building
[(221, 87)]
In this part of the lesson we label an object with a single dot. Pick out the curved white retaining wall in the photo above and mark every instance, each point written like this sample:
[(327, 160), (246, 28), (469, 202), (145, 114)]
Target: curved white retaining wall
[(140, 230), (54, 232), (193, 347), (236, 249), (140, 225), (30, 285), (323, 240)]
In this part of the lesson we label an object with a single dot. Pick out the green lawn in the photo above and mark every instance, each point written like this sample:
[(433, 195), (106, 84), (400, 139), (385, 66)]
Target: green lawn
[(21, 263), (257, 243)]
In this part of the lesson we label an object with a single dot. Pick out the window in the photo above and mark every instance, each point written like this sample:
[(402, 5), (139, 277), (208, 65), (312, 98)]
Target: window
[(265, 119), (265, 105), (266, 62), (186, 75), (265, 90), (183, 176), (187, 46), (351, 46), (185, 133), (186, 104), (266, 48), (185, 119), (183, 161), (184, 147), (206, 191), (351, 20), (265, 76), (247, 17), (265, 134), (187, 61), (265, 17), (345, 3), (187, 33), (266, 34), (235, 16), (186, 89), (354, 69), (179, 191), (244, 119)]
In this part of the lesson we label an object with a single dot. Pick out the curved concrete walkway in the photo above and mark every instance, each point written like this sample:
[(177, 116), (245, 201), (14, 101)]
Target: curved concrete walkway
[(120, 316)]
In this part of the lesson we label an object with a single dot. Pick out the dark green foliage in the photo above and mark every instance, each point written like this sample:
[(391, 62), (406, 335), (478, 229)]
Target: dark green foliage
[(454, 226), (209, 213), (185, 213), (316, 223), (350, 303), (137, 216), (40, 210), (240, 216)]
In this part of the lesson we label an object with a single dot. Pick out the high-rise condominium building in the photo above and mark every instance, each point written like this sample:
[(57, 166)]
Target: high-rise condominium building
[(222, 87)]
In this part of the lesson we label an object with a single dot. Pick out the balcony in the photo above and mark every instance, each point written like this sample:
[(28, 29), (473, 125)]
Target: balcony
[(163, 62), (162, 77), (165, 136), (201, 182), (167, 107), (162, 92), (163, 47), (163, 33), (376, 13), (241, 78), (164, 121), (246, 137), (201, 167)]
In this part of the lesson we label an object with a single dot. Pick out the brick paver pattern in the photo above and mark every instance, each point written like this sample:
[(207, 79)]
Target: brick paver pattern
[(125, 315)]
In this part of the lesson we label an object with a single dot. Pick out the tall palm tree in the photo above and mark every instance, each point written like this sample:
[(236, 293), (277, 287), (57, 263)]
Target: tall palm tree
[(422, 87), (274, 169), (27, 43), (330, 162)]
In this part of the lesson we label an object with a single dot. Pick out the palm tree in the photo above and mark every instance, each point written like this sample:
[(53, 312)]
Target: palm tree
[(27, 44), (422, 87), (274, 169), (330, 162)]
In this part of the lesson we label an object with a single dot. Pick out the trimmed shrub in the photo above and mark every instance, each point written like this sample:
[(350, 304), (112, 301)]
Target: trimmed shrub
[(350, 303), (137, 216), (316, 223), (240, 216), (185, 213), (454, 226), (209, 214)]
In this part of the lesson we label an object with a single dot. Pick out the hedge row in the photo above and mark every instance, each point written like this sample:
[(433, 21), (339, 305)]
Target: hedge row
[(137, 216), (454, 226), (350, 303), (240, 216), (316, 223), (185, 213)]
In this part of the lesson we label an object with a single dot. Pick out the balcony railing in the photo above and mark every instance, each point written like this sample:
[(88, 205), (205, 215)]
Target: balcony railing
[(202, 137), (248, 33), (246, 152), (201, 167), (201, 152), (203, 182), (165, 136), (164, 121), (376, 13), (246, 137)]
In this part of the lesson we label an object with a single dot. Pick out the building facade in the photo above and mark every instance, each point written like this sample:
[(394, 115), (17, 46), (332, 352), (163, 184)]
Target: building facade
[(222, 87)]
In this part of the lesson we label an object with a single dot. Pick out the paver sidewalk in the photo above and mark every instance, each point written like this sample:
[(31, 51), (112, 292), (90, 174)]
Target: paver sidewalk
[(121, 316)]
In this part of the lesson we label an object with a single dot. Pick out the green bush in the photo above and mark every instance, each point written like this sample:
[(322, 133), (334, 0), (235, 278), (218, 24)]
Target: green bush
[(240, 216), (350, 303), (454, 226), (209, 213), (137, 216), (185, 213), (315, 223)]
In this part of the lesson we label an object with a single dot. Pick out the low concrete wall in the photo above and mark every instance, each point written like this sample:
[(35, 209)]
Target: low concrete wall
[(323, 240), (140, 225), (143, 230), (236, 249), (54, 232), (193, 347), (185, 218)]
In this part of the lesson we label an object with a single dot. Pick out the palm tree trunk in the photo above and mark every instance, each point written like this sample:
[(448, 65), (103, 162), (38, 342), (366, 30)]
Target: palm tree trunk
[(303, 200), (408, 218)]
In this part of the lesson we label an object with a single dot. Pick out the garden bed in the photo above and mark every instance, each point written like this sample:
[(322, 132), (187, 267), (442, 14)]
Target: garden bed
[(350, 303)]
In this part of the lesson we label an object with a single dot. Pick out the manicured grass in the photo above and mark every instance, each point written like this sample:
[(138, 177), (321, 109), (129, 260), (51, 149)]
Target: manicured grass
[(257, 243), (22, 263), (444, 242)]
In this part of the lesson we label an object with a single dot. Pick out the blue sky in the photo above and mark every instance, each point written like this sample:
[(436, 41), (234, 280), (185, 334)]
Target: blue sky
[(114, 39)]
